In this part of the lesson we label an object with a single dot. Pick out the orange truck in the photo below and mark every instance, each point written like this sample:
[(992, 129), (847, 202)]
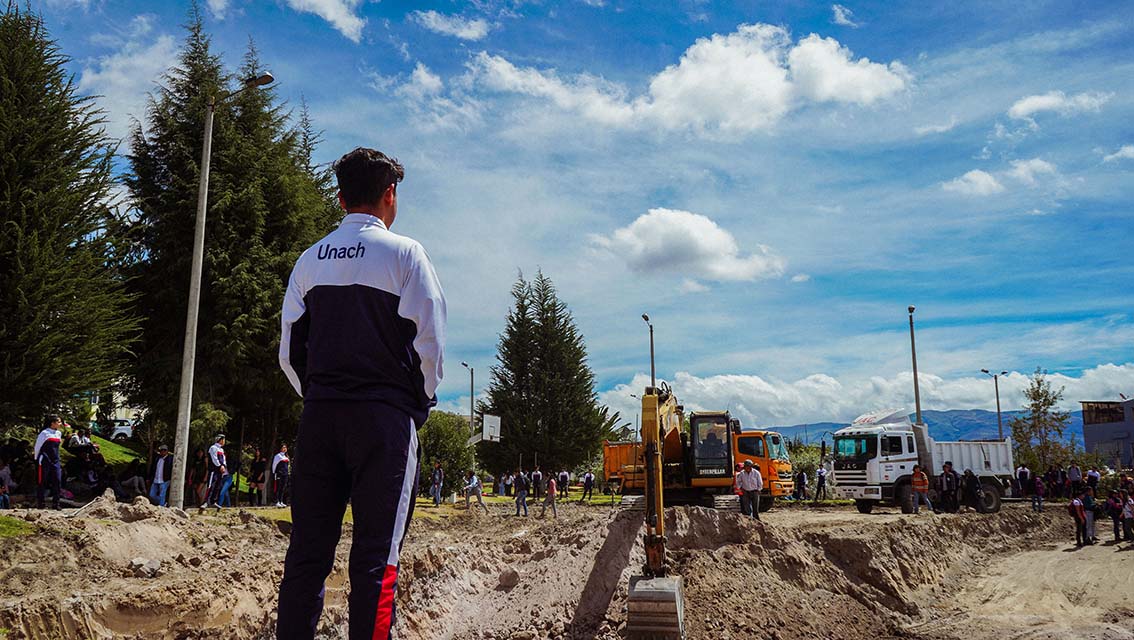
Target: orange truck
[(767, 451)]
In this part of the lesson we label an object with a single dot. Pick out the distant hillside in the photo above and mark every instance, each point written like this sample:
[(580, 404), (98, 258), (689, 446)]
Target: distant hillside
[(954, 424)]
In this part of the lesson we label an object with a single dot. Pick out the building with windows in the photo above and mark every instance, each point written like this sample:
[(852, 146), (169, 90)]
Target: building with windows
[(1108, 430)]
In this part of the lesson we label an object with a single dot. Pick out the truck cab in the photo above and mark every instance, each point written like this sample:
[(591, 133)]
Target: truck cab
[(767, 452), (875, 456)]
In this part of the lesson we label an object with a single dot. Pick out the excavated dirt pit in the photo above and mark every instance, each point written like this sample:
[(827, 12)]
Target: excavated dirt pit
[(134, 571)]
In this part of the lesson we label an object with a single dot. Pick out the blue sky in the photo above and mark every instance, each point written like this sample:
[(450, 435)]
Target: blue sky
[(772, 182)]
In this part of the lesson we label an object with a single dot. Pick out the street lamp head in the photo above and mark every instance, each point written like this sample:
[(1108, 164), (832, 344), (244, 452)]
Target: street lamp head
[(911, 308), (646, 318), (1003, 373), (984, 370), (465, 365), (265, 78)]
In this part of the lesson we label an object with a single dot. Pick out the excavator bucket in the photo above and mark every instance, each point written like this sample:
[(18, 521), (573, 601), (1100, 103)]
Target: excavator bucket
[(655, 609)]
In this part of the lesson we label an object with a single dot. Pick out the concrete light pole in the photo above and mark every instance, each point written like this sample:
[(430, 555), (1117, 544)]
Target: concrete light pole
[(913, 352), (189, 353), (996, 385), (472, 425)]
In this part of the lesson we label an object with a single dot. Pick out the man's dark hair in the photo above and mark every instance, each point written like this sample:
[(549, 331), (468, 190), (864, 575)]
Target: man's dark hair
[(50, 420), (365, 174)]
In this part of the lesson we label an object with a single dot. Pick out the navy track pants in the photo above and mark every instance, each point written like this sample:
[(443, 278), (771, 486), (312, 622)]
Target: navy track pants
[(367, 453)]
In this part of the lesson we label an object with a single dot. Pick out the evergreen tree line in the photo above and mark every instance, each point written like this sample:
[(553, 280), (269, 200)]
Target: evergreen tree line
[(94, 290)]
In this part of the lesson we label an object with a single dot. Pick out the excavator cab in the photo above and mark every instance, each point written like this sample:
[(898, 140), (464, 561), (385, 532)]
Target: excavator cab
[(710, 438)]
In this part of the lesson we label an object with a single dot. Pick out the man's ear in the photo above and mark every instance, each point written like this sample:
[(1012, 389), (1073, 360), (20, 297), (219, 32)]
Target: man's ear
[(342, 203), (390, 194)]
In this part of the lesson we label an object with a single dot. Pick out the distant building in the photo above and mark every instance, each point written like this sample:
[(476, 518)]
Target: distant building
[(1108, 430)]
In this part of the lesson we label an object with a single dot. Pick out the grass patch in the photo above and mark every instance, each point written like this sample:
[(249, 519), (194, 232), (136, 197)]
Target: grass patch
[(12, 527), (117, 455)]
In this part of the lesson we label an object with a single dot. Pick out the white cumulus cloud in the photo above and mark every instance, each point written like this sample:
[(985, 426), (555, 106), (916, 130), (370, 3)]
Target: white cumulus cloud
[(422, 83), (1058, 102), (974, 183), (800, 277), (689, 243), (341, 14), (823, 70), (123, 78), (727, 84), (843, 16), (456, 26), (1027, 171), (1124, 153)]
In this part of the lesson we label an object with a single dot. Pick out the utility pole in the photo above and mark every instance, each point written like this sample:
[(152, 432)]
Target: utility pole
[(913, 352), (653, 379), (996, 385), (189, 351), (472, 424)]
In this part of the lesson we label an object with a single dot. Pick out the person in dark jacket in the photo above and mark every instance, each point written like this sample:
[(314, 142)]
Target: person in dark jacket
[(521, 484), (160, 473), (1114, 510), (46, 455), (971, 490), (257, 474), (948, 484)]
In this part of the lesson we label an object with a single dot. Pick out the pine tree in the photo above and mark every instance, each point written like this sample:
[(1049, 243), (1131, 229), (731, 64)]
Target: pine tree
[(542, 388), (266, 205), (1038, 432), (64, 324)]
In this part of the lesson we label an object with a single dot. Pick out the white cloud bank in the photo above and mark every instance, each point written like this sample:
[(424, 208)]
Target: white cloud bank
[(691, 244), (455, 26), (936, 128), (1124, 153), (974, 183), (341, 14), (760, 401), (737, 83), (1058, 102)]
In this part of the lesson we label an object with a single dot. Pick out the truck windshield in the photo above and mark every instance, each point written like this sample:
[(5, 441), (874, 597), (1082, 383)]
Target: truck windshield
[(858, 448), (776, 448)]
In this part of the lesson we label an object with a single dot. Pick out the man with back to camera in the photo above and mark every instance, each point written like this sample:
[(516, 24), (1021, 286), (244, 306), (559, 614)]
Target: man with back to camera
[(49, 472), (281, 470), (363, 329)]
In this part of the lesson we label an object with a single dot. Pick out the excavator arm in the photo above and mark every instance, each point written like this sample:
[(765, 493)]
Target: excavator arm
[(656, 606)]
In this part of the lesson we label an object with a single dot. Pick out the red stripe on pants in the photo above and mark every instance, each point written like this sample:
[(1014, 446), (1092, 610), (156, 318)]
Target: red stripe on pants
[(384, 617)]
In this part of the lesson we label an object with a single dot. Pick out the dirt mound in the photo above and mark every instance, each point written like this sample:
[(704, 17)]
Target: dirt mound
[(135, 571)]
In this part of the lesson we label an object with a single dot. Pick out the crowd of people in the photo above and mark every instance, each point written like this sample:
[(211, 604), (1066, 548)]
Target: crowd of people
[(519, 484), (55, 478)]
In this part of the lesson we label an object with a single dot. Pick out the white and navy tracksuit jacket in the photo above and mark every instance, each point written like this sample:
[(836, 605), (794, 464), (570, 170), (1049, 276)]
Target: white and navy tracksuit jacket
[(49, 471), (362, 338)]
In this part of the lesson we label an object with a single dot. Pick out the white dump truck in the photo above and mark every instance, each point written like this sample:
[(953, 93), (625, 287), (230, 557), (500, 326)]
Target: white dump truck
[(875, 455)]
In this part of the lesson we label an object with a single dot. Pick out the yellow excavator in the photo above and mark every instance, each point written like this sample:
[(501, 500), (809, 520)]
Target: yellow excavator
[(656, 605)]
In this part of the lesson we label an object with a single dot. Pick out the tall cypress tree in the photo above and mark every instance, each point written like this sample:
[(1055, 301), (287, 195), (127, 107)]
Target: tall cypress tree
[(266, 205), (542, 388), (64, 321)]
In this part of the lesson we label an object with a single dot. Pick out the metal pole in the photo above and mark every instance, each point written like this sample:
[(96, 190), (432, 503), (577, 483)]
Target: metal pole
[(472, 423), (913, 353), (999, 421), (189, 353)]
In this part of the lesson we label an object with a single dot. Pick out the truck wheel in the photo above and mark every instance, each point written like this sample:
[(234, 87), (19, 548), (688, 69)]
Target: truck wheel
[(990, 498), (864, 506), (905, 498)]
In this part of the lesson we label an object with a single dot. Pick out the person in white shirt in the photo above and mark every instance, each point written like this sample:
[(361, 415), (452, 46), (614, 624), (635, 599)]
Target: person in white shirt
[(473, 487), (750, 483), (820, 484), (160, 474)]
